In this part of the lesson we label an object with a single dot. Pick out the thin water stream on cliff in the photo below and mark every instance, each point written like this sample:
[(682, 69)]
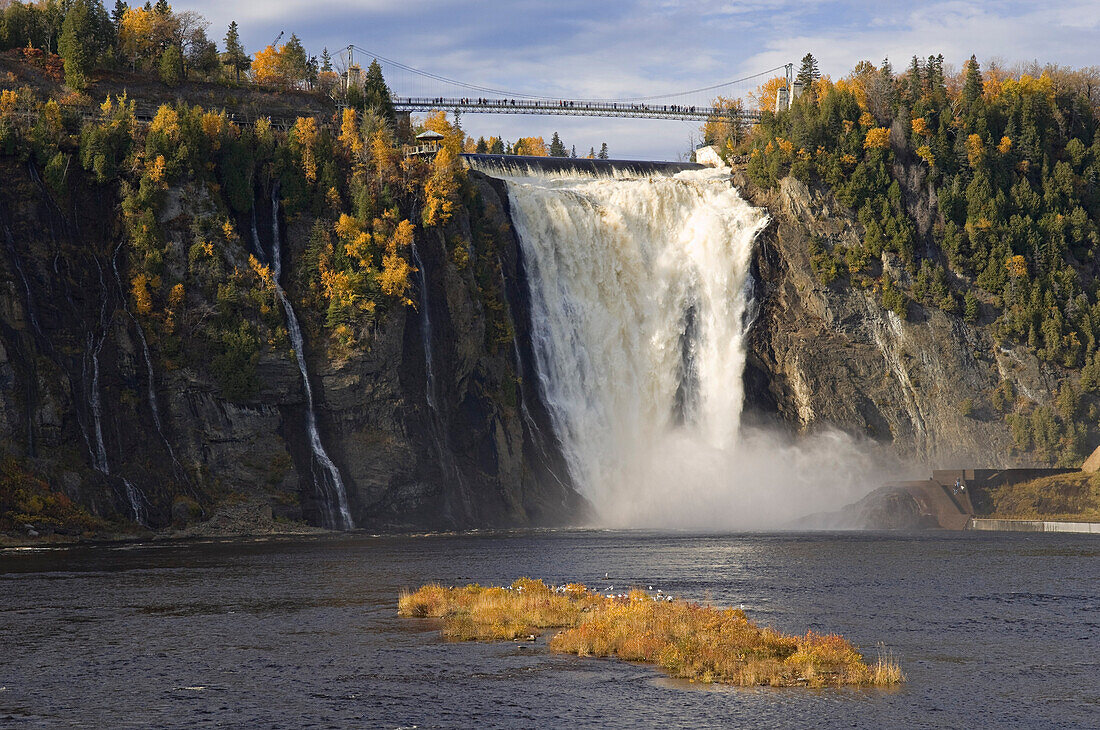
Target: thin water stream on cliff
[(325, 472), (992, 631)]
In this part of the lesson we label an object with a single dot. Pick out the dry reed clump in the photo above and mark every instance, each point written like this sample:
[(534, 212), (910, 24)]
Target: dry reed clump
[(688, 640)]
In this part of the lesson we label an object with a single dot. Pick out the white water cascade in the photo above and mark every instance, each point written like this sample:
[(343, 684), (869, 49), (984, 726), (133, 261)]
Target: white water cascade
[(326, 475), (640, 294)]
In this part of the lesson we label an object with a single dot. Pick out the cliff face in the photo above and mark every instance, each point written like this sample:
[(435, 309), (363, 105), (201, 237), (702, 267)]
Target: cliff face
[(89, 402), (833, 356)]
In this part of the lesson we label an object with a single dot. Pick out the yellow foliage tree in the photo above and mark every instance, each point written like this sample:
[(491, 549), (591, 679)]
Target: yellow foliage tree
[(877, 138), (441, 189), (1017, 266), (920, 127), (166, 122), (975, 149), (394, 278), (143, 300), (531, 146), (726, 126), (1005, 146), (350, 136), (266, 68), (214, 125), (453, 137), (925, 153), (305, 134), (135, 36), (765, 95)]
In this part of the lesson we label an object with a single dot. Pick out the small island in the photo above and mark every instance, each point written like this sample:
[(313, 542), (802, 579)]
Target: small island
[(700, 643)]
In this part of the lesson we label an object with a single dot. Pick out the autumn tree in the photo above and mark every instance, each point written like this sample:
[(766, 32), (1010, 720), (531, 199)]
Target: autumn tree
[(766, 94), (441, 189), (286, 66), (727, 127), (531, 147)]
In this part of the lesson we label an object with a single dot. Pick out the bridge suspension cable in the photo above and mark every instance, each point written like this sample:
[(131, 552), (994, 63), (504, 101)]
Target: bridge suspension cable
[(415, 89)]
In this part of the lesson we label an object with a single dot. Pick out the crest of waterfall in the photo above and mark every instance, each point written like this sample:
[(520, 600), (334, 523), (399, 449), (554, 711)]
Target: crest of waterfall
[(326, 474), (640, 293)]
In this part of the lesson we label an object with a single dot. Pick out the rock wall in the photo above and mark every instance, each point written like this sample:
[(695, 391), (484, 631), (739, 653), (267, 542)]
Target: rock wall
[(831, 356), (77, 403)]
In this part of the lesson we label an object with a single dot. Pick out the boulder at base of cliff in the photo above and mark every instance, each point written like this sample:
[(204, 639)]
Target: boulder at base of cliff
[(886, 508), (1092, 464)]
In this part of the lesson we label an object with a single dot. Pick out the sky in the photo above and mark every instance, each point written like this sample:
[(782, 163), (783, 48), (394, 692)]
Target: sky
[(623, 48)]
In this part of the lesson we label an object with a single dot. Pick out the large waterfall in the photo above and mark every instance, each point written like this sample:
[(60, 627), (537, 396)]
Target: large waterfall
[(640, 299)]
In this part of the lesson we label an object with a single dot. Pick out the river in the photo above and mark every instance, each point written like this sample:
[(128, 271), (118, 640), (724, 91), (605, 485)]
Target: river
[(992, 630)]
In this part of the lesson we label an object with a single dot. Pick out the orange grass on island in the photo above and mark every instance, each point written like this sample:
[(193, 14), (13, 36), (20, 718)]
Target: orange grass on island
[(687, 640)]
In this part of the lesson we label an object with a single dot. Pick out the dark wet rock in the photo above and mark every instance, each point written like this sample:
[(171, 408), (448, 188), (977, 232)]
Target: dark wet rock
[(886, 508), (478, 463)]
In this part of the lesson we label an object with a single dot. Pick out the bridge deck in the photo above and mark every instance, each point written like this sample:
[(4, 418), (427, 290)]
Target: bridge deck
[(566, 107)]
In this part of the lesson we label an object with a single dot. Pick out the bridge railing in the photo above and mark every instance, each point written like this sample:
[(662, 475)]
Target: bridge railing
[(569, 108)]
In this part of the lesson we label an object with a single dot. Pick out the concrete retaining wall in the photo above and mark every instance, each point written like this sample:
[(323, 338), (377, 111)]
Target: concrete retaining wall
[(982, 523)]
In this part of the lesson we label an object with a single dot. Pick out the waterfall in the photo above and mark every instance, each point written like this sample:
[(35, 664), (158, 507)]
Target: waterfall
[(640, 293), (151, 391), (137, 502), (329, 481), (438, 427), (425, 326)]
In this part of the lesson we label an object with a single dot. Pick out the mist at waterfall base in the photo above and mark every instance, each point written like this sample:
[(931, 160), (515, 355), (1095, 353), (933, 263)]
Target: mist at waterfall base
[(641, 300)]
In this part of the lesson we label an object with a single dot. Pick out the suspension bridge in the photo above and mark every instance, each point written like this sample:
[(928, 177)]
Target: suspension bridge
[(416, 90)]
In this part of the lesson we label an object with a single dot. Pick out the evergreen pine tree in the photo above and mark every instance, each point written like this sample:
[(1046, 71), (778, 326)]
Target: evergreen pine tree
[(171, 66), (326, 61), (235, 57), (557, 149), (603, 152), (162, 7), (591, 153), (294, 61), (808, 73), (972, 87), (916, 78), (482, 146), (497, 147), (376, 94), (73, 44), (573, 152), (118, 12)]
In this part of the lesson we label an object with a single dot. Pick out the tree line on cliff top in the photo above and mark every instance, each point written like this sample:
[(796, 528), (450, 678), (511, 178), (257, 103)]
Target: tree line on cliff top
[(977, 192), (153, 38)]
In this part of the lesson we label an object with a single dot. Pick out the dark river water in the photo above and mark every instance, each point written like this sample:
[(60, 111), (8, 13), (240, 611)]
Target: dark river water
[(992, 630)]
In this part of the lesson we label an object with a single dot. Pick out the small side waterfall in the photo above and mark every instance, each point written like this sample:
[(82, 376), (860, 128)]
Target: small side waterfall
[(151, 382), (95, 337), (96, 445), (425, 327), (326, 475), (438, 429), (9, 242), (137, 501)]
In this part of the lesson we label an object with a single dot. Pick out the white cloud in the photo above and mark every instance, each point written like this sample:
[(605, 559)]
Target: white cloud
[(581, 48)]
